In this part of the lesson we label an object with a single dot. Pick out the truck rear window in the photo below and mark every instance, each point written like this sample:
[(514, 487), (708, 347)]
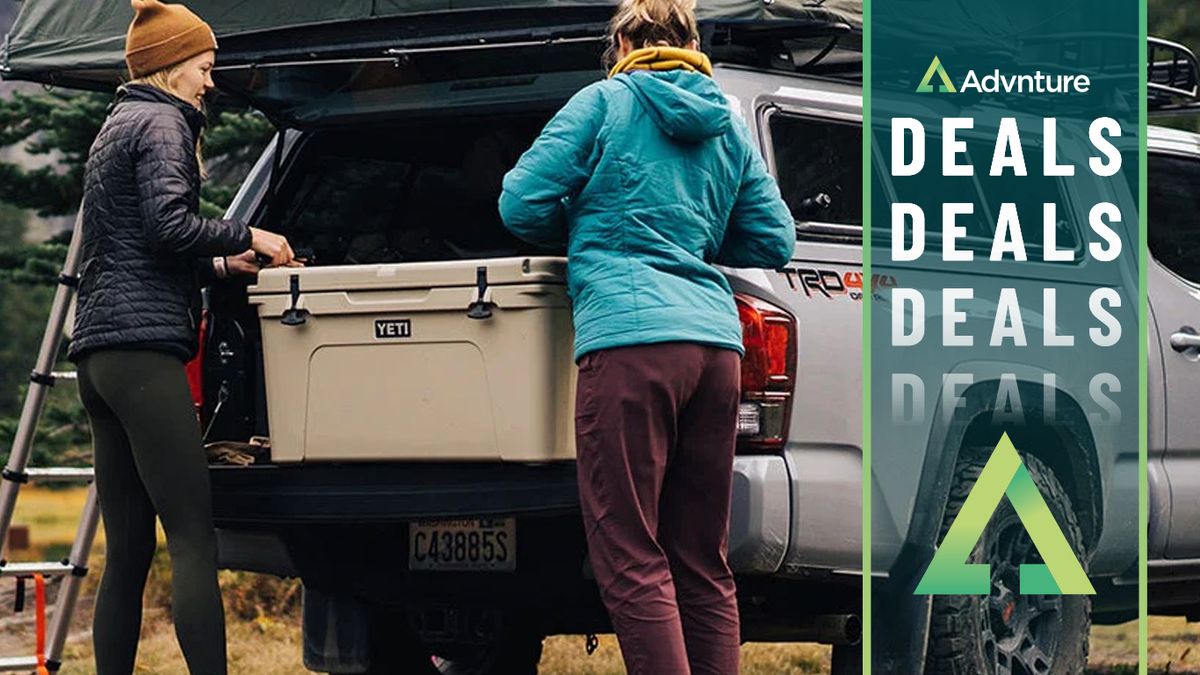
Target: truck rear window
[(818, 164)]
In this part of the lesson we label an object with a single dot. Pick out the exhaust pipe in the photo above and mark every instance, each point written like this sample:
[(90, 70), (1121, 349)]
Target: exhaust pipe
[(830, 629)]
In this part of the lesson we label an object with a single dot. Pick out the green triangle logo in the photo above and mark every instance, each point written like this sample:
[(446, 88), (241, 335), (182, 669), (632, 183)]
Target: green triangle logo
[(926, 86), (1005, 474)]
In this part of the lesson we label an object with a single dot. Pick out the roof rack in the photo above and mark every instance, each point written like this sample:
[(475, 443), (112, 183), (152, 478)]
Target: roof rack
[(1173, 78), (829, 48)]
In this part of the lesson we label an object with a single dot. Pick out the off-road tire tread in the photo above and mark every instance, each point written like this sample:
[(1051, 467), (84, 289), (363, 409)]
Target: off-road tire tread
[(953, 646)]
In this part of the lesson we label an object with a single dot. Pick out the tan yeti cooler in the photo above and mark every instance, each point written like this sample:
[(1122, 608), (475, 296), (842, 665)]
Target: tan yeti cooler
[(408, 361)]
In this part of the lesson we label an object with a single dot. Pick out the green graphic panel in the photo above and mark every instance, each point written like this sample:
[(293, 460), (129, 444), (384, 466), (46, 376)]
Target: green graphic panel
[(1004, 475), (1004, 330)]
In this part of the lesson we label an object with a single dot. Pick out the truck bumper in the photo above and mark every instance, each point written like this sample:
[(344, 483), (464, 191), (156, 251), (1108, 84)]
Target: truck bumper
[(826, 490), (760, 516), (311, 494), (763, 514)]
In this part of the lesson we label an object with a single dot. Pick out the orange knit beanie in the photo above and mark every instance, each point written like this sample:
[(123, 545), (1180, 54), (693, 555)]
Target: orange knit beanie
[(162, 35)]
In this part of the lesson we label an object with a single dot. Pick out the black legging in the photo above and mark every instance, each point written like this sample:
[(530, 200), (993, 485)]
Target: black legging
[(150, 461)]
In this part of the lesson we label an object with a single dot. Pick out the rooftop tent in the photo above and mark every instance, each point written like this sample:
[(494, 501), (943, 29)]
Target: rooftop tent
[(81, 44)]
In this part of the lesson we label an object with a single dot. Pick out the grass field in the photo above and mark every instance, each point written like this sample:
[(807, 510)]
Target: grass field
[(264, 633), (1174, 647), (51, 516), (275, 650)]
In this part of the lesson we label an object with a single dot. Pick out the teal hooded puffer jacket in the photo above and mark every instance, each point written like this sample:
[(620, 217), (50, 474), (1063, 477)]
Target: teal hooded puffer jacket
[(650, 180)]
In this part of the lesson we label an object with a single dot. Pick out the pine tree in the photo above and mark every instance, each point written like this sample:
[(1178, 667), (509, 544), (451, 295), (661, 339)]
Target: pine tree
[(62, 126)]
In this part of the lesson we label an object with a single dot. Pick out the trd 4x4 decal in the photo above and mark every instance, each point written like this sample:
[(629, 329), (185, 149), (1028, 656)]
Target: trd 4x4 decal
[(832, 283)]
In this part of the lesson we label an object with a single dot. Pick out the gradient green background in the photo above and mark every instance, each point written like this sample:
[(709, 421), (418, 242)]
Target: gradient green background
[(1101, 38)]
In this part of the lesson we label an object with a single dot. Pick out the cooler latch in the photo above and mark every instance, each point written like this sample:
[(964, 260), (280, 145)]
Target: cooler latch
[(481, 306), (294, 315)]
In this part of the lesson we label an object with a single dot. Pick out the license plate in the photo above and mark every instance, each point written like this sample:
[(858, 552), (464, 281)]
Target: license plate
[(477, 544)]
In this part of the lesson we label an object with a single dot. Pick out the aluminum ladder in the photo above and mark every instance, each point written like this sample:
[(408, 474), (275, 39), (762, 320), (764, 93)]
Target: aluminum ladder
[(17, 473)]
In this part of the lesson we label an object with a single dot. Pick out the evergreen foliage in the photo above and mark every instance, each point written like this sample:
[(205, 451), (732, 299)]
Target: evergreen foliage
[(60, 127)]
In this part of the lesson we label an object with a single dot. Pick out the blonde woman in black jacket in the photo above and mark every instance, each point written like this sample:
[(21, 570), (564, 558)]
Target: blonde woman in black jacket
[(146, 253)]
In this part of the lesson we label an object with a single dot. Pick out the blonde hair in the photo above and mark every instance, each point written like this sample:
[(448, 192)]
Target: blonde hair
[(650, 23), (161, 80)]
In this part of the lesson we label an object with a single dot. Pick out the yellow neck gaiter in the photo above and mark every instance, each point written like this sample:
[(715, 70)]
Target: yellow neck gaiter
[(663, 58)]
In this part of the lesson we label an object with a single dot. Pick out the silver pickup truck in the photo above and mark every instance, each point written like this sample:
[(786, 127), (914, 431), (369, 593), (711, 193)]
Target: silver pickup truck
[(356, 160), (354, 163), (396, 129)]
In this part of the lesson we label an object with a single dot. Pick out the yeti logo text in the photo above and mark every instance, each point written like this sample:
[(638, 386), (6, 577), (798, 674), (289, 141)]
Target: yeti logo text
[(926, 85), (1005, 474)]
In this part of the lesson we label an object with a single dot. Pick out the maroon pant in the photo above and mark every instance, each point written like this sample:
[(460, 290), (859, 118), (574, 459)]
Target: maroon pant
[(655, 427)]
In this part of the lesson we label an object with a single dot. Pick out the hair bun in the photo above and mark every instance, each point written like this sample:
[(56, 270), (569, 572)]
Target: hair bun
[(669, 23)]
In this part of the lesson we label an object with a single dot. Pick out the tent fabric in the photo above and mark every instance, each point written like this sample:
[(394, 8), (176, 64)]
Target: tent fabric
[(56, 37)]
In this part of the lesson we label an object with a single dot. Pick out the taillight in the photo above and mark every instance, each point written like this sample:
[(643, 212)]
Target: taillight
[(768, 374), (195, 367)]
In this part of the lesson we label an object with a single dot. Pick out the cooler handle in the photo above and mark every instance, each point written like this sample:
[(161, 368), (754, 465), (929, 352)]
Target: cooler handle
[(481, 306), (294, 315)]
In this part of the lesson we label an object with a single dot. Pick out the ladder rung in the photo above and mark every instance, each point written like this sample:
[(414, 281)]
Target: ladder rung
[(53, 569), (18, 664), (60, 474)]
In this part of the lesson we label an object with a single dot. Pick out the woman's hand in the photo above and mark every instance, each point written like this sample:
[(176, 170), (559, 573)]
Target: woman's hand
[(244, 263), (273, 246)]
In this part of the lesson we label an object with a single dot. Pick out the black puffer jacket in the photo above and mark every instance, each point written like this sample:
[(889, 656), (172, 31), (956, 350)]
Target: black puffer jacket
[(145, 249)]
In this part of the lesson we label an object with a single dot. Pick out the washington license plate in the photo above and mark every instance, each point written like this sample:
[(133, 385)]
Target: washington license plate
[(475, 544)]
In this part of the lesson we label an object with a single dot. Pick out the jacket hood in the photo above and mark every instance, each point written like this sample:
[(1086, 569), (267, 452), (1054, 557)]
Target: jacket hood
[(687, 106), (143, 92)]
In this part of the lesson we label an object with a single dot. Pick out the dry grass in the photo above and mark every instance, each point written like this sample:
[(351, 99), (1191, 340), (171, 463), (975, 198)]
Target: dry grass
[(565, 655), (262, 647), (273, 648), (1174, 646), (51, 516)]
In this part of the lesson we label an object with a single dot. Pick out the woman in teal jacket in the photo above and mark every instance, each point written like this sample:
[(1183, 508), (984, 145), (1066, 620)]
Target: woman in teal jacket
[(651, 180)]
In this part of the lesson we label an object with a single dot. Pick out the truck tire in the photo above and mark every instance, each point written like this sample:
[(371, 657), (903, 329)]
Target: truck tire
[(1007, 633)]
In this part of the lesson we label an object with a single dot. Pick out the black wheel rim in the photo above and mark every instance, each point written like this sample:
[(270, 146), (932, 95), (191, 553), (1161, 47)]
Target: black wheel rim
[(1021, 633)]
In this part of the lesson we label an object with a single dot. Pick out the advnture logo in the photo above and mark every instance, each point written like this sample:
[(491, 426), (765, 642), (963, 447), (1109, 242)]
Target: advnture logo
[(949, 572), (997, 82), (926, 85)]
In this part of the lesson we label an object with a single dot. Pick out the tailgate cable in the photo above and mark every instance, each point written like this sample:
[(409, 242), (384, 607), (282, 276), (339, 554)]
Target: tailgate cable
[(223, 392), (222, 396)]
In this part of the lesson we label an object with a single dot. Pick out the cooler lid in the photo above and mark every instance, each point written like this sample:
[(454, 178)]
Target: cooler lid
[(500, 272)]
